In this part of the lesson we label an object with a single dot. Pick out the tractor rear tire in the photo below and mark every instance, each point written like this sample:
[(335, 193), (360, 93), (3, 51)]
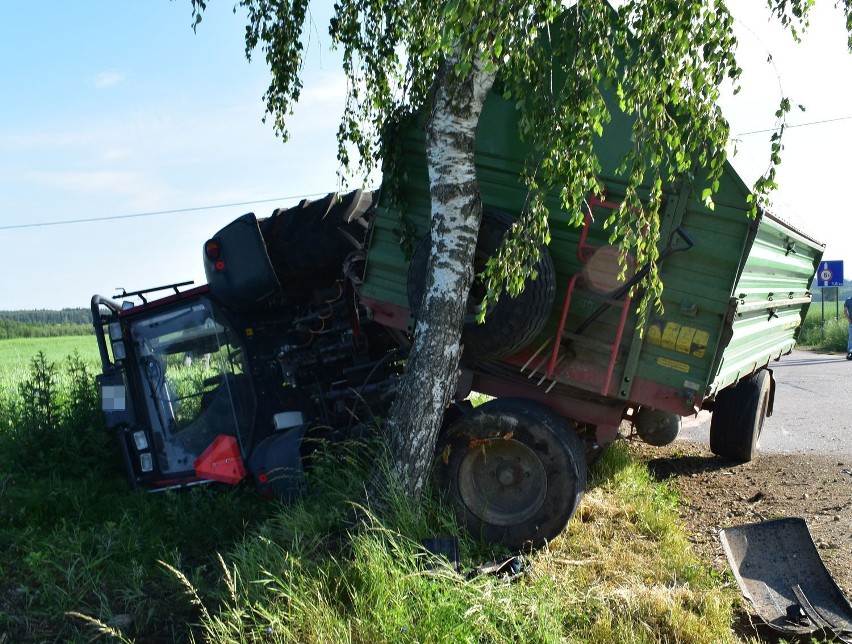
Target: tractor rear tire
[(737, 420), (514, 471), (514, 322), (308, 243)]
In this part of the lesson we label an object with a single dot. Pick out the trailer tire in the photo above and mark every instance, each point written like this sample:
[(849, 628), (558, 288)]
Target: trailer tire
[(514, 322), (513, 470), (738, 416)]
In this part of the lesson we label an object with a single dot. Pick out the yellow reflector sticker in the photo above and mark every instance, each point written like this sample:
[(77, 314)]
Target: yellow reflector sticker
[(699, 343), (684, 339), (673, 364), (670, 334), (676, 337)]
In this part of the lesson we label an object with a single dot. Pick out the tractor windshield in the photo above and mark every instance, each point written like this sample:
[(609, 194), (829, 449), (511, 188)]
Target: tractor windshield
[(192, 374)]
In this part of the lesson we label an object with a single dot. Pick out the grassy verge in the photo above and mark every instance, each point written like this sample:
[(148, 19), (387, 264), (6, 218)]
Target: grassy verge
[(829, 335), (74, 537), (622, 572), (84, 556)]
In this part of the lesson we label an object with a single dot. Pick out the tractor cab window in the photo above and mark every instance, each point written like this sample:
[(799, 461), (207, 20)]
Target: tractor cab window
[(193, 376)]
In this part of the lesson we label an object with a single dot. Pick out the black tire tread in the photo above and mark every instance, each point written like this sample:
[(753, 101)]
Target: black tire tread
[(738, 416), (308, 243), (515, 321), (565, 484)]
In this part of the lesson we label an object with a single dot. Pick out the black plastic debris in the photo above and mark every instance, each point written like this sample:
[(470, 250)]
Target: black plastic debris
[(780, 572), (445, 550), (445, 556)]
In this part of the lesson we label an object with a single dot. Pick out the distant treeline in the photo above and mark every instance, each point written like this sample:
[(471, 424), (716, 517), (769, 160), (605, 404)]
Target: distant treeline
[(831, 293), (44, 324)]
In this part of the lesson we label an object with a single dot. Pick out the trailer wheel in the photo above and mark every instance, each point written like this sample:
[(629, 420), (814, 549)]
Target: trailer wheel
[(737, 420), (514, 471), (514, 322)]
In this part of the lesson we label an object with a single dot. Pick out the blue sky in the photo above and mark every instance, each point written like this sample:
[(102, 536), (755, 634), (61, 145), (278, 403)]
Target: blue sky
[(114, 108)]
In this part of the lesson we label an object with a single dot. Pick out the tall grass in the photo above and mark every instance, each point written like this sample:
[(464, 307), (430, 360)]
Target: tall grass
[(829, 335), (74, 537), (622, 572), (84, 557)]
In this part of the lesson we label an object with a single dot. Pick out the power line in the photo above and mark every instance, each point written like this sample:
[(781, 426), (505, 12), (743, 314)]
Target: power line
[(44, 224), (787, 127)]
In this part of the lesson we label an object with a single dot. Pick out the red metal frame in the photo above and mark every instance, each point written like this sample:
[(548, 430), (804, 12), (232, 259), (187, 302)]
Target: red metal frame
[(551, 365), (156, 304), (387, 314), (606, 413), (584, 252)]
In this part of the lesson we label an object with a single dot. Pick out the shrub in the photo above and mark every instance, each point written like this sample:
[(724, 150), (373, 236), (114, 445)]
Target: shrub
[(830, 335), (75, 538), (51, 422)]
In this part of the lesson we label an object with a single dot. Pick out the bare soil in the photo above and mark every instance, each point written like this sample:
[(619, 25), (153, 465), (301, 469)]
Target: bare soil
[(718, 493)]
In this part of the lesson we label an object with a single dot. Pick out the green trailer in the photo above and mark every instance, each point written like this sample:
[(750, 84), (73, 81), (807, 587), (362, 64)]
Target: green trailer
[(736, 291)]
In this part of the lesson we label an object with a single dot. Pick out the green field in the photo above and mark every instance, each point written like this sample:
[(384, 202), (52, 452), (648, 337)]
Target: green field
[(17, 354)]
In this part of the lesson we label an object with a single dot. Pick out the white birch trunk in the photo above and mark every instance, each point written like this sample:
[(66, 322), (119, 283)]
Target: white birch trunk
[(431, 373)]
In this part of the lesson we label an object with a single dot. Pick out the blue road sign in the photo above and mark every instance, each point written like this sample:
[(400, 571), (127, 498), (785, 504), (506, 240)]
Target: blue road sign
[(830, 273)]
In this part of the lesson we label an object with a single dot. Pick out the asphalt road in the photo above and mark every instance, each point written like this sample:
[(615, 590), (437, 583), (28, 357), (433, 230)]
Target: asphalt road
[(813, 407)]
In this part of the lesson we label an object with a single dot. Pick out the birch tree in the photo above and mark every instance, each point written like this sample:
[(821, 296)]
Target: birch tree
[(664, 60)]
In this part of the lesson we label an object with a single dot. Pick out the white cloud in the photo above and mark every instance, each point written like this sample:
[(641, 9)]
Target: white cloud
[(76, 194), (108, 79), (98, 182), (114, 154), (44, 139), (324, 88)]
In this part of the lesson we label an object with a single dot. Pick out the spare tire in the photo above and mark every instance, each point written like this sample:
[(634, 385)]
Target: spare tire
[(511, 324)]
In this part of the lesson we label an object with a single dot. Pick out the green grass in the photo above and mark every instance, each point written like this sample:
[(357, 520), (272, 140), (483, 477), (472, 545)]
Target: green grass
[(83, 555), (828, 335), (15, 355), (622, 572), (76, 538)]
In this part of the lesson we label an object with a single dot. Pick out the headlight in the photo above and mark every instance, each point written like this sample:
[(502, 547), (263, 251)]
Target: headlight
[(146, 462), (114, 331), (141, 440), (118, 352)]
